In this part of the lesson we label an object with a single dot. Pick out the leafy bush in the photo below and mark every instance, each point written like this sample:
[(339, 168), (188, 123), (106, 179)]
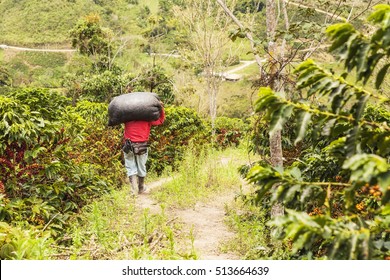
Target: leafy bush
[(18, 243), (100, 87), (49, 104), (156, 80), (229, 131), (245, 6), (337, 197), (5, 78), (259, 140), (169, 141), (54, 159)]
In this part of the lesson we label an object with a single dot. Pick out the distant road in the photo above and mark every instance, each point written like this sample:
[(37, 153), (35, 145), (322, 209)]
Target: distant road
[(229, 75), (245, 63), (166, 55), (2, 46)]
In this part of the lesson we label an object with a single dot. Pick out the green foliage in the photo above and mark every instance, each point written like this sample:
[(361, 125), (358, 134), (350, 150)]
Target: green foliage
[(362, 53), (39, 68), (37, 22), (200, 175), (259, 139), (337, 194), (251, 6), (159, 24), (108, 80), (53, 159), (345, 238), (183, 127), (229, 131), (112, 227), (169, 141), (92, 40), (245, 219), (42, 59), (154, 79), (5, 78), (104, 86), (18, 244), (49, 104), (15, 128)]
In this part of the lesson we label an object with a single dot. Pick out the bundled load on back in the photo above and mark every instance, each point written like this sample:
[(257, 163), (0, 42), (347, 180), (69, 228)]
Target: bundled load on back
[(134, 106)]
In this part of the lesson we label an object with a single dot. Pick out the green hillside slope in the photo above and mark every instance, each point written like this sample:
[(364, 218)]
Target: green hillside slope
[(35, 22)]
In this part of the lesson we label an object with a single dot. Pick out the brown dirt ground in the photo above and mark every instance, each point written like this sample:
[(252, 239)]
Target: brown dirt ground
[(205, 219)]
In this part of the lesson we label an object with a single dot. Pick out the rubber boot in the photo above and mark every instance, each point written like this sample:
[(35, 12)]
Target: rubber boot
[(133, 184), (141, 185)]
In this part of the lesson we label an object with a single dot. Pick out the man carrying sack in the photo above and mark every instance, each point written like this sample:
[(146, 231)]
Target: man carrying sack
[(136, 136), (138, 111)]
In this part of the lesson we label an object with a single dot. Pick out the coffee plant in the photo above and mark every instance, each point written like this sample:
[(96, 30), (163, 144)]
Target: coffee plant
[(54, 159), (168, 142), (337, 193), (229, 131)]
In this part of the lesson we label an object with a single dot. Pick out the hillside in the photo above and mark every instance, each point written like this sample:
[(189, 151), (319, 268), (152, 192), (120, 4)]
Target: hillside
[(34, 22), (46, 24)]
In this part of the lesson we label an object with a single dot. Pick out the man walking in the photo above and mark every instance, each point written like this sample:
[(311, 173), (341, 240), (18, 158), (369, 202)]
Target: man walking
[(136, 136)]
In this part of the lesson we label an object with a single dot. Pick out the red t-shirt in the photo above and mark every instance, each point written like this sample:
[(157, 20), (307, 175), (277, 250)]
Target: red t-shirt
[(139, 131)]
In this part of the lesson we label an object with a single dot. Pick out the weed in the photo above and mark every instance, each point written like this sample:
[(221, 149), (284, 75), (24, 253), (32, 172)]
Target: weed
[(253, 238), (200, 176), (114, 228), (19, 243)]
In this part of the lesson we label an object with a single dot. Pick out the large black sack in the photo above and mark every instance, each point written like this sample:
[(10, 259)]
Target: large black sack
[(135, 106)]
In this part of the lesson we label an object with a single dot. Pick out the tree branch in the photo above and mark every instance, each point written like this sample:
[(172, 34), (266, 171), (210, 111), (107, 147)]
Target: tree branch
[(248, 34)]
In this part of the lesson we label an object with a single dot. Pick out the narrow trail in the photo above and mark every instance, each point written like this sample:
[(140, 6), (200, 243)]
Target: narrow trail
[(245, 63), (146, 201), (4, 47), (205, 220)]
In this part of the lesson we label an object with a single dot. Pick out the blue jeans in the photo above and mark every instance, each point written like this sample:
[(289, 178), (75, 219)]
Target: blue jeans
[(135, 164)]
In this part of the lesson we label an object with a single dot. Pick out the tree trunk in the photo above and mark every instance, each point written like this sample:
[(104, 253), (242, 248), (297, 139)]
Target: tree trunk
[(275, 138), (271, 22), (212, 88)]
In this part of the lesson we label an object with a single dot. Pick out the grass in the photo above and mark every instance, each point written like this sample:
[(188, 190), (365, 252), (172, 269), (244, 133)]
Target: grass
[(35, 22), (253, 239), (36, 68), (47, 60), (114, 228), (200, 178), (235, 99), (152, 4)]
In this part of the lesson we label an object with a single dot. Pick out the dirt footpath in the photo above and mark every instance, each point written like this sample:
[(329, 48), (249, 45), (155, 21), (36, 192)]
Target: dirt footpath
[(206, 220)]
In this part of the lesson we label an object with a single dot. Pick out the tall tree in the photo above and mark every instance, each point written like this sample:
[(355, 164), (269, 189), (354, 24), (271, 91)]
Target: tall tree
[(274, 54), (281, 48), (207, 45), (94, 41)]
